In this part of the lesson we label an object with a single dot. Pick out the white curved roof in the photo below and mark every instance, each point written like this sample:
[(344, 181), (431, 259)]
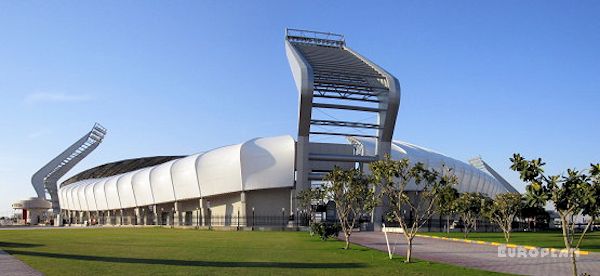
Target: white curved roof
[(470, 179), (260, 163)]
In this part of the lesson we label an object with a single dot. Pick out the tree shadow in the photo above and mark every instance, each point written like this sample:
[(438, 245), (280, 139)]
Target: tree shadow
[(185, 262), (18, 245)]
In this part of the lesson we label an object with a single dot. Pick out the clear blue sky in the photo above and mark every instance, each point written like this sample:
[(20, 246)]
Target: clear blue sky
[(178, 77)]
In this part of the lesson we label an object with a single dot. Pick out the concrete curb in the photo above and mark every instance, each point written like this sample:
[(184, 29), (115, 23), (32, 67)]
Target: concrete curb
[(580, 252)]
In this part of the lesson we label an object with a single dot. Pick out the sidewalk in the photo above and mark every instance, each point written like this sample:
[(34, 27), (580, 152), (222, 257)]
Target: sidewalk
[(480, 256), (11, 266)]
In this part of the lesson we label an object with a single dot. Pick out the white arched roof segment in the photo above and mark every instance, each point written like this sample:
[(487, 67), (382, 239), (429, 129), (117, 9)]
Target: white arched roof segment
[(219, 171), (89, 195), (61, 198), (78, 202), (268, 163), (162, 183), (65, 199), (141, 187), (81, 197), (185, 178), (125, 190), (100, 195), (112, 194), (71, 198)]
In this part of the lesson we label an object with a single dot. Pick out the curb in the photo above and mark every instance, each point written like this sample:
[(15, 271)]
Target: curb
[(510, 245)]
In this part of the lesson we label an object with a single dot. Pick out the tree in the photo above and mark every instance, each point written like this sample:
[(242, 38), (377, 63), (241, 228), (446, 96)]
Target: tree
[(502, 211), (447, 204), (470, 207), (534, 215), (575, 193), (308, 199), (353, 197), (393, 178)]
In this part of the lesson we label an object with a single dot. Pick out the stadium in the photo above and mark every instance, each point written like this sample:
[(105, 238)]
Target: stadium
[(255, 182)]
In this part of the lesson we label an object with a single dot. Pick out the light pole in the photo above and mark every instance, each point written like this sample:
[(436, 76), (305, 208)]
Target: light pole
[(282, 219), (197, 217), (297, 219), (209, 215), (252, 218), (173, 217)]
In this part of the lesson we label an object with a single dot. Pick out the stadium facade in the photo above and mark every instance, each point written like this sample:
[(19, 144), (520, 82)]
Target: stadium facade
[(262, 176)]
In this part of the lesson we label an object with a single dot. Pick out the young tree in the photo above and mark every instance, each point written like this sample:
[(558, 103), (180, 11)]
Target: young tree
[(575, 193), (533, 214), (470, 207), (502, 211), (447, 204), (353, 197), (393, 178), (308, 199)]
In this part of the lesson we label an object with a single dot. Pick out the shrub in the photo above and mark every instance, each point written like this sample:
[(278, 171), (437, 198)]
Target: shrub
[(325, 230)]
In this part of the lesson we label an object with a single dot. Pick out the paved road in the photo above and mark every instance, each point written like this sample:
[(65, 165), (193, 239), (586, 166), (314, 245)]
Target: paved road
[(479, 256), (11, 266)]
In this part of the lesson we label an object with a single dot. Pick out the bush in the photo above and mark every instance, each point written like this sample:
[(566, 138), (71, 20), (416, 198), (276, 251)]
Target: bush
[(325, 230)]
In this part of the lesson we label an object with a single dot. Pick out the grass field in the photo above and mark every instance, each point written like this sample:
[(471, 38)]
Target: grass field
[(193, 252), (554, 239)]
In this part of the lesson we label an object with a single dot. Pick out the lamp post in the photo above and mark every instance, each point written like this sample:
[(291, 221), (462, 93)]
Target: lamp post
[(173, 217), (282, 219), (252, 218), (297, 219), (209, 215), (238, 220)]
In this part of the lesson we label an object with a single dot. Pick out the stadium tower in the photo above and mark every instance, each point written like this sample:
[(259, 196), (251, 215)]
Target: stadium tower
[(45, 180), (333, 79)]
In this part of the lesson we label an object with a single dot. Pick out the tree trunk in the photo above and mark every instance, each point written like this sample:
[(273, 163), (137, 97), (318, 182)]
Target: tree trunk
[(347, 236), (408, 250), (565, 229), (573, 263), (448, 224)]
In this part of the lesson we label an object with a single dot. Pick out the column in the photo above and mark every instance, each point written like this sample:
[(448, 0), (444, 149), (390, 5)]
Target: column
[(156, 216), (203, 212), (145, 212), (109, 218), (242, 218), (177, 214)]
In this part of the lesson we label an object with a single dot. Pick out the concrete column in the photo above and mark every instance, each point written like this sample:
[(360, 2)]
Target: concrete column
[(143, 215), (203, 212), (243, 219), (138, 216), (156, 216), (121, 218), (177, 214), (109, 217)]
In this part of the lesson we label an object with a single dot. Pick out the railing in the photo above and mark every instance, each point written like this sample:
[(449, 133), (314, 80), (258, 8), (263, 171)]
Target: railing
[(315, 37)]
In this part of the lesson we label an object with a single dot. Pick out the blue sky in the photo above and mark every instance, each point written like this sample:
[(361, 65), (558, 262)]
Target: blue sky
[(485, 78)]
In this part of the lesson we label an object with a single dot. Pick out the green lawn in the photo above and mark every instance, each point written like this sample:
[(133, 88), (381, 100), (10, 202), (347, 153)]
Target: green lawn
[(184, 252), (554, 239)]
